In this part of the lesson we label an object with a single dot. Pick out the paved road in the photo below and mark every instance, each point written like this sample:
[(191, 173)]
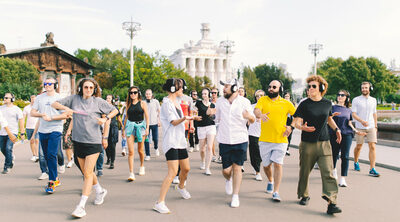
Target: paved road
[(22, 196)]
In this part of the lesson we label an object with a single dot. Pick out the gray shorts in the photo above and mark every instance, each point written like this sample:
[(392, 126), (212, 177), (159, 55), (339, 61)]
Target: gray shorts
[(272, 152)]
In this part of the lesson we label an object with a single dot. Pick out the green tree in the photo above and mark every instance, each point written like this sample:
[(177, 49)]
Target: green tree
[(266, 73), (18, 77), (250, 81)]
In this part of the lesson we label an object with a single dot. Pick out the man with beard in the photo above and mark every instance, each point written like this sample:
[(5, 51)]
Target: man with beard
[(232, 112), (364, 112), (273, 111)]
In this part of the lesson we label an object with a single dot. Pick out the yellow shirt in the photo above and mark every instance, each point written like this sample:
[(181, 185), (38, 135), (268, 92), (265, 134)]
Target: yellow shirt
[(272, 130)]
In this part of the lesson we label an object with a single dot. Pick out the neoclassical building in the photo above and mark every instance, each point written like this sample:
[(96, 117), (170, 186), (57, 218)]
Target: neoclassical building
[(205, 58)]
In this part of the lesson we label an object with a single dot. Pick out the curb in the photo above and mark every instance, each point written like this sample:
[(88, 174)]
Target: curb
[(386, 166)]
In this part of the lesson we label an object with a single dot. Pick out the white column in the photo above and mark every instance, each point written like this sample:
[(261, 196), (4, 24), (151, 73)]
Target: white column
[(192, 67), (200, 67), (210, 69), (218, 72)]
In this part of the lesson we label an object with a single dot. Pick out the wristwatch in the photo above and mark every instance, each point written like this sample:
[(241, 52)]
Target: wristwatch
[(337, 129), (292, 127), (107, 117)]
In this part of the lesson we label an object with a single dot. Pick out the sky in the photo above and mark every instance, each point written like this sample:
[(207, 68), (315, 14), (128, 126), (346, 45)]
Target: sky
[(264, 31)]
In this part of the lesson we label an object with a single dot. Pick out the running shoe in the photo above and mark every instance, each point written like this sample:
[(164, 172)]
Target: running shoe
[(33, 159), (175, 180), (161, 208), (123, 152), (197, 149), (70, 164), (61, 169), (374, 173), (43, 176), (111, 166), (147, 158), (242, 169), (214, 158), (235, 201), (202, 166), (258, 177), (157, 152), (6, 171), (228, 187), (50, 188), (304, 201), (270, 187), (208, 172), (100, 197), (316, 166), (342, 182), (79, 212), (287, 153), (191, 150), (276, 197), (219, 160), (142, 171), (333, 209), (334, 172), (184, 193), (99, 173), (356, 166), (57, 183), (131, 177)]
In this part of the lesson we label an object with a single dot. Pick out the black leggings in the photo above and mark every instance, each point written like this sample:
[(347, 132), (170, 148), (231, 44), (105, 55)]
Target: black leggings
[(254, 150), (110, 151)]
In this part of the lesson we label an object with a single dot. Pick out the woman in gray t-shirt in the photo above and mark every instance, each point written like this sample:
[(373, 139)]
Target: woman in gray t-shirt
[(87, 108)]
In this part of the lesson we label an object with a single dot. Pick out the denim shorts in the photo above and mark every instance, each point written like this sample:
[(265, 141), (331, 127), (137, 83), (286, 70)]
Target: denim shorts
[(29, 133), (233, 153)]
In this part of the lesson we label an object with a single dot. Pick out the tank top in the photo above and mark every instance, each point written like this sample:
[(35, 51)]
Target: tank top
[(135, 113)]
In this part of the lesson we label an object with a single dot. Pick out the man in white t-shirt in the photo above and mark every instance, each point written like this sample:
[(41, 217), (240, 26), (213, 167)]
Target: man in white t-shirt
[(30, 127), (153, 108), (14, 117), (4, 125), (364, 112)]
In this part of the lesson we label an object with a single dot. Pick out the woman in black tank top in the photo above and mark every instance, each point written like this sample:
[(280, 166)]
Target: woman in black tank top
[(136, 128)]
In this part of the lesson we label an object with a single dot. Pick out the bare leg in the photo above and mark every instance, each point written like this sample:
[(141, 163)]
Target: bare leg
[(237, 178), (87, 165), (185, 167), (277, 176), (268, 173), (227, 173), (357, 151), (202, 144), (172, 170), (131, 145), (372, 154), (69, 153), (210, 142), (141, 151)]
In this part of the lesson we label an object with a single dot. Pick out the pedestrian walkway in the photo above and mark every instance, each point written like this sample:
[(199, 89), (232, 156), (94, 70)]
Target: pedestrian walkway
[(22, 196)]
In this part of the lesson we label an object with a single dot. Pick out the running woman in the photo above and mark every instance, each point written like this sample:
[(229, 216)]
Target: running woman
[(88, 107), (174, 142), (136, 128)]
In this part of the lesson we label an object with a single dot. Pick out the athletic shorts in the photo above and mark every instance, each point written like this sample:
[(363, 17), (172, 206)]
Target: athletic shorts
[(204, 131), (233, 153), (176, 154), (371, 136), (29, 133), (272, 152), (82, 150)]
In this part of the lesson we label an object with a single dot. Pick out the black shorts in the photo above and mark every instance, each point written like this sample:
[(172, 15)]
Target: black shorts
[(230, 154), (82, 150), (176, 154)]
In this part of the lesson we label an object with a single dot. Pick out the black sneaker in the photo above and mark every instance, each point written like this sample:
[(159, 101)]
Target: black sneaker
[(304, 201), (108, 162), (111, 166), (333, 209), (287, 153)]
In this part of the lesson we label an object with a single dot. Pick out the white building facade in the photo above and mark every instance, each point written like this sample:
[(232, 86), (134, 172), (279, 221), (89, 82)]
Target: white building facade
[(205, 58)]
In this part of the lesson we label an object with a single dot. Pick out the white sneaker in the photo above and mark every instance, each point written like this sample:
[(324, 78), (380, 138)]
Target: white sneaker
[(202, 166), (316, 166), (79, 212), (123, 152), (161, 208), (197, 149), (184, 193), (235, 201), (342, 182), (33, 159), (147, 158), (131, 177), (208, 172), (334, 172), (142, 171), (175, 180), (100, 197), (43, 176), (191, 150), (70, 164), (228, 187), (214, 158), (258, 177), (61, 169), (157, 152)]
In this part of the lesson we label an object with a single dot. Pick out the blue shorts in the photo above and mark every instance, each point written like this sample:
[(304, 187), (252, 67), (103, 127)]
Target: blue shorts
[(235, 153), (29, 133)]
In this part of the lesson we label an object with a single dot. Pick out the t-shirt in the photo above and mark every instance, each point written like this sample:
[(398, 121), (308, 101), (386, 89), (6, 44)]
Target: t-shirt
[(186, 103), (342, 120), (364, 107), (86, 128), (3, 121), (316, 114), (272, 130), (153, 109), (202, 111), (30, 120), (43, 105), (255, 128), (12, 114)]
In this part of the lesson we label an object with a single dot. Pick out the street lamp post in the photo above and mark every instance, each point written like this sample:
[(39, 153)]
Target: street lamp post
[(131, 28), (315, 48), (227, 44)]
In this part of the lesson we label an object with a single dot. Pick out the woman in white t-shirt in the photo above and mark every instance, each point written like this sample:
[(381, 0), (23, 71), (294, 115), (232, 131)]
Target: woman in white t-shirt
[(174, 142), (30, 127)]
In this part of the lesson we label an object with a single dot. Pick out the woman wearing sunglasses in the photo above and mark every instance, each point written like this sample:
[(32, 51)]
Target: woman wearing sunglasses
[(342, 117), (88, 141), (136, 128)]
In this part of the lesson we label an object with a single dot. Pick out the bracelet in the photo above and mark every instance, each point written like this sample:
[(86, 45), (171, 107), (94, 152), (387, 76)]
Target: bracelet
[(105, 137), (292, 127), (337, 128), (23, 134)]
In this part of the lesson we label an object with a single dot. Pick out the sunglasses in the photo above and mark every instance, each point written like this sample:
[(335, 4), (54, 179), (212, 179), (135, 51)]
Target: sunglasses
[(341, 95), (273, 87), (5, 97), (259, 95), (133, 92), (214, 92), (48, 83), (194, 94), (88, 87), (312, 86)]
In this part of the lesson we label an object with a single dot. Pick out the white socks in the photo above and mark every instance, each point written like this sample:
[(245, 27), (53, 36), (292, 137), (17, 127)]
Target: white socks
[(82, 203), (98, 188)]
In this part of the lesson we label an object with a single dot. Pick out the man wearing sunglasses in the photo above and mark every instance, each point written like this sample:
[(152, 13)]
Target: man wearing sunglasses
[(273, 111), (312, 117), (50, 129), (15, 119)]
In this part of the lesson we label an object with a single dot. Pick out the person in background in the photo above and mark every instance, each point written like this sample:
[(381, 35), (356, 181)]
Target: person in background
[(30, 127), (153, 107)]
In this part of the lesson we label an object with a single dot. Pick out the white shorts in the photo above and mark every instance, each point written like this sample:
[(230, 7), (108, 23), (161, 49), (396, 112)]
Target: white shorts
[(272, 152), (204, 131)]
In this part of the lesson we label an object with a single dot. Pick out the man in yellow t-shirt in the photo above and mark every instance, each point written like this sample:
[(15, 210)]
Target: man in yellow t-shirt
[(273, 110)]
